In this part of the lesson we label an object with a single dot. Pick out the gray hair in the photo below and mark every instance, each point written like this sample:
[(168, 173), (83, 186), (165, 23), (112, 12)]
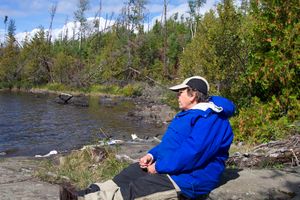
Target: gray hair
[(200, 97)]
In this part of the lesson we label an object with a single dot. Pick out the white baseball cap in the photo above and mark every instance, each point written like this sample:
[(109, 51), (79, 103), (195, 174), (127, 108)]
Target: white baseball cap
[(195, 82)]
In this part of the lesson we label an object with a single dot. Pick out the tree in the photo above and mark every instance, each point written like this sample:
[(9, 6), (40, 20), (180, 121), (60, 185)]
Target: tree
[(165, 34), (112, 59), (136, 15), (195, 15), (5, 25), (52, 14), (273, 72), (37, 59), (79, 15), (130, 31), (218, 51), (62, 68), (11, 29), (9, 62)]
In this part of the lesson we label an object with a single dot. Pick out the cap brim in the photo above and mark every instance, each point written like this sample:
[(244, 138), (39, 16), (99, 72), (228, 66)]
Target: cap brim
[(178, 87)]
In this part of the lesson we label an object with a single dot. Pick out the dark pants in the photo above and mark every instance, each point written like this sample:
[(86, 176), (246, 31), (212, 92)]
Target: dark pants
[(135, 183)]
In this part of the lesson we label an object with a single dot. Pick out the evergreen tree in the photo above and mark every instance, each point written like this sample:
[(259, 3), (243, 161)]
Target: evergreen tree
[(10, 68), (37, 58), (11, 29), (273, 73), (217, 51)]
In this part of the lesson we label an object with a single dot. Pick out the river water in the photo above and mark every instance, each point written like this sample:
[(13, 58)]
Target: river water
[(32, 124)]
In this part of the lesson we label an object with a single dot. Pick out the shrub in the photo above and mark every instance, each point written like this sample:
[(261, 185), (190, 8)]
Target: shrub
[(132, 90), (107, 89), (23, 84), (5, 85), (56, 87), (261, 123), (171, 100)]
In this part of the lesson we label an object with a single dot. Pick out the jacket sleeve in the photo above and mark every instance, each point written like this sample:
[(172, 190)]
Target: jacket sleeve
[(154, 151), (203, 143)]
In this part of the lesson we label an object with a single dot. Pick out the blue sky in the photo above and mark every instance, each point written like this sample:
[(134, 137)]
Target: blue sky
[(30, 14)]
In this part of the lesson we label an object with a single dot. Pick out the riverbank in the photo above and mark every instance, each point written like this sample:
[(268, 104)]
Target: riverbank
[(150, 102), (245, 183), (17, 182)]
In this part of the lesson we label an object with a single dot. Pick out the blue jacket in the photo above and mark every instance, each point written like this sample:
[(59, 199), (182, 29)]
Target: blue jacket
[(195, 147)]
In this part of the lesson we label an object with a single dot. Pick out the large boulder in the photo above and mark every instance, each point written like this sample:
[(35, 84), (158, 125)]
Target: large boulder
[(257, 184), (80, 100), (76, 100)]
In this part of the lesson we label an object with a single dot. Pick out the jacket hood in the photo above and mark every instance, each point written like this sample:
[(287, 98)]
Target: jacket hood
[(227, 106)]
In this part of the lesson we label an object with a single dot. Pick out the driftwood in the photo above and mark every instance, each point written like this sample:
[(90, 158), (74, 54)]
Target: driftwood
[(286, 153)]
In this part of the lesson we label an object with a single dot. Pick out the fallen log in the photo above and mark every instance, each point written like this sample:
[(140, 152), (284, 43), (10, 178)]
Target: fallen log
[(285, 152)]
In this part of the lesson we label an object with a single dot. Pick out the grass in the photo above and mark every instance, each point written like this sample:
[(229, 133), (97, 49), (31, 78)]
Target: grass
[(81, 168)]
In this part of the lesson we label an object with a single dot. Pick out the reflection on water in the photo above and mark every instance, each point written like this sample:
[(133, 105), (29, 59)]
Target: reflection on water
[(32, 124)]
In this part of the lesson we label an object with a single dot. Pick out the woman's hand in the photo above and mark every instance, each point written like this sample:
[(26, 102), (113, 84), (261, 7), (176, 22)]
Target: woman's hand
[(146, 161), (151, 169)]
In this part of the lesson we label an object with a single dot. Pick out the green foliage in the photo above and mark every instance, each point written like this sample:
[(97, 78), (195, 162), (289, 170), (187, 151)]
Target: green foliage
[(129, 90), (63, 68), (260, 122), (274, 61), (23, 84), (272, 74), (249, 54), (11, 28), (105, 89), (171, 100), (5, 85), (36, 59), (199, 56), (9, 62), (217, 51), (56, 87), (132, 90), (112, 60)]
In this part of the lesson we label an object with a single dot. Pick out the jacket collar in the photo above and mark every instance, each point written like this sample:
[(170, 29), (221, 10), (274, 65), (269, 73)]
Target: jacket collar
[(202, 109), (204, 106)]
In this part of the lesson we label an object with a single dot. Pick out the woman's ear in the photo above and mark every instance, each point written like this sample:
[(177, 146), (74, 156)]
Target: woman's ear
[(193, 96)]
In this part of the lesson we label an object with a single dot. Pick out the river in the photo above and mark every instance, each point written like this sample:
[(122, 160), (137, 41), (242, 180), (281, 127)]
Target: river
[(32, 124)]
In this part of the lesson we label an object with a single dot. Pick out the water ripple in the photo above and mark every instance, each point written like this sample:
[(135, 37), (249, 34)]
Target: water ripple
[(31, 125)]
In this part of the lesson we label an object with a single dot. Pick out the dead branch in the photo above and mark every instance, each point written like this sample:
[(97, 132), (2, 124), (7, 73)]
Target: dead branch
[(286, 152)]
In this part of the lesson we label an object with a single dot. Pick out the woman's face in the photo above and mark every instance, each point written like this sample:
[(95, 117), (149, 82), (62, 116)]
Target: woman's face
[(185, 100)]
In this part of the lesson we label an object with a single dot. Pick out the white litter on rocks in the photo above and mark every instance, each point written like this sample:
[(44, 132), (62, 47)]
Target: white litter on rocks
[(53, 152)]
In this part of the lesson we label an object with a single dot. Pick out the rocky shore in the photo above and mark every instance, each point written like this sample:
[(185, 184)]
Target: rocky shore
[(245, 182), (148, 106), (17, 180)]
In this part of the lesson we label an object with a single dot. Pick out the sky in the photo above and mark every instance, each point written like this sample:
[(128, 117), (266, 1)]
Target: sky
[(32, 14)]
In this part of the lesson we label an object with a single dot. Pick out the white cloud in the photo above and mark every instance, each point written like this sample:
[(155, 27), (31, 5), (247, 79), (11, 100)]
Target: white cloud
[(70, 28), (66, 6), (155, 8), (2, 35), (182, 10)]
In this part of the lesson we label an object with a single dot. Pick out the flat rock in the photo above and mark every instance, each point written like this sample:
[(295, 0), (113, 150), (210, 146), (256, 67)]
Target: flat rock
[(257, 184), (18, 183)]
